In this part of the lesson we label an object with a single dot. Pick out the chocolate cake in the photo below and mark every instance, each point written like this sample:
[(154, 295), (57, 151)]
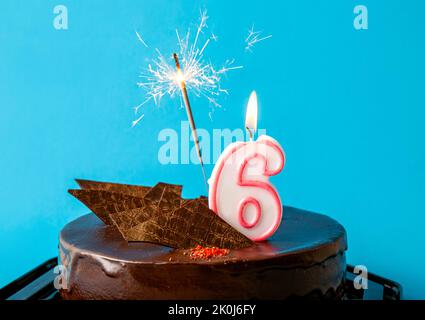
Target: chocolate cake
[(304, 258)]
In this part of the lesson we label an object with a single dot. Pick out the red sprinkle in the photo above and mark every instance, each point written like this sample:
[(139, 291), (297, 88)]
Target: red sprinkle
[(200, 252)]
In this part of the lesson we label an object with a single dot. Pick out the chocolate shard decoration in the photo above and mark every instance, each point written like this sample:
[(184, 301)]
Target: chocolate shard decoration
[(162, 198), (192, 204), (105, 203), (187, 227), (169, 192), (204, 200), (126, 220), (131, 190), (158, 215)]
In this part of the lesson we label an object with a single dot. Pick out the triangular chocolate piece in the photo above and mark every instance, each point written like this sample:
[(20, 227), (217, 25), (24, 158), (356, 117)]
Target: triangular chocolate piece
[(160, 200), (204, 200), (132, 190), (186, 228), (105, 203), (155, 194), (192, 204), (126, 220), (171, 198), (159, 215)]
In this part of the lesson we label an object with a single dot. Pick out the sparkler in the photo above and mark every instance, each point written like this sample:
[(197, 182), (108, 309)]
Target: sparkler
[(192, 73), (190, 116), (201, 78)]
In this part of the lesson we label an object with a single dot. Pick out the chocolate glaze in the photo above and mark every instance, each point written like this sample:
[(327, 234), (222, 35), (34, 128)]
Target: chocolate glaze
[(305, 257)]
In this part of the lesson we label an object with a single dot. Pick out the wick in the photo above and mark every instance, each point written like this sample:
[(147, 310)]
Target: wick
[(176, 59), (251, 134)]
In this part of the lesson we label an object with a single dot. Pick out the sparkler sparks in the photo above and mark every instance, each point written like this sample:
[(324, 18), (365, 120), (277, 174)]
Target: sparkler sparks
[(202, 78), (141, 39), (253, 38)]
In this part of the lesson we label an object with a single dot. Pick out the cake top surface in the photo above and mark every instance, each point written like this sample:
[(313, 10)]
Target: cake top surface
[(303, 239)]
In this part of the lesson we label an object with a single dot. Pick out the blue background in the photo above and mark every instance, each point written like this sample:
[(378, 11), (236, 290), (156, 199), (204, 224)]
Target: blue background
[(348, 107)]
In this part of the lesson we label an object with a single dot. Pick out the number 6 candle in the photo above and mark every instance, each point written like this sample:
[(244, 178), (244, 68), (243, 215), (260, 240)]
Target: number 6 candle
[(240, 191)]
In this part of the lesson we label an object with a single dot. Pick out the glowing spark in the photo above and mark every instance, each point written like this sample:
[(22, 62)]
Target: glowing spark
[(202, 78), (135, 122), (141, 39), (253, 38), (136, 108)]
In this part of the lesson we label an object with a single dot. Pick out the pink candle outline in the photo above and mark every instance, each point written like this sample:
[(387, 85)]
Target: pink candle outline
[(241, 210), (252, 183)]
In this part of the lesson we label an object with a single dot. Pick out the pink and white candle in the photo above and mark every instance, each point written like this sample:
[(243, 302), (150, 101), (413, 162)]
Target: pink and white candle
[(240, 190)]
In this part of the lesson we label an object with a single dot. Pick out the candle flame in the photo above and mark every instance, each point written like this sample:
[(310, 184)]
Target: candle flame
[(252, 114)]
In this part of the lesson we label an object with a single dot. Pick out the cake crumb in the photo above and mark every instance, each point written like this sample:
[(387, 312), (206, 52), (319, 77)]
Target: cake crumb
[(200, 252)]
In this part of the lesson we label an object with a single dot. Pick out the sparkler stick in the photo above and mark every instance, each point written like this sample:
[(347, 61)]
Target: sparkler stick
[(180, 78)]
